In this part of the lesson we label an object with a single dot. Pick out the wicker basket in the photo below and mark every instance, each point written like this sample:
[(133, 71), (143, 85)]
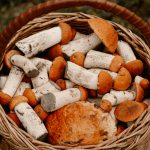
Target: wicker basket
[(137, 135)]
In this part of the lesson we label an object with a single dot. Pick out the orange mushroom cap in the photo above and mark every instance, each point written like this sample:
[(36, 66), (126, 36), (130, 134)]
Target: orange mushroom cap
[(92, 93), (4, 98), (144, 84), (61, 83), (73, 33), (106, 105)]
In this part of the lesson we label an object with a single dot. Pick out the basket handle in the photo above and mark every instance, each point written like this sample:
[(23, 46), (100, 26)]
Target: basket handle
[(52, 5)]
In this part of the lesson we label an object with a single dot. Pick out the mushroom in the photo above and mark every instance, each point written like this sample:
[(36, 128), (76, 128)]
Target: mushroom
[(92, 93), (29, 119), (34, 95), (64, 84), (21, 88), (80, 45), (112, 114), (53, 101), (57, 69), (79, 35), (122, 79), (96, 59), (3, 80), (14, 58), (106, 32), (87, 79), (41, 112), (13, 81), (40, 41), (128, 111), (144, 83), (116, 97), (135, 66)]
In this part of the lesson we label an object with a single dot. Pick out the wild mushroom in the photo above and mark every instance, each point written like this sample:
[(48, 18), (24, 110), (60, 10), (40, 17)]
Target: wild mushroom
[(112, 114), (116, 97), (3, 79), (40, 41), (14, 58), (64, 84), (53, 101), (135, 66), (128, 111), (34, 95), (13, 81), (79, 35), (29, 119), (96, 59), (92, 93), (87, 79), (106, 32), (143, 82)]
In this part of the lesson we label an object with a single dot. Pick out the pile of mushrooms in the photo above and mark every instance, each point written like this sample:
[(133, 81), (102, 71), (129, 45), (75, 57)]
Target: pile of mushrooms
[(60, 68)]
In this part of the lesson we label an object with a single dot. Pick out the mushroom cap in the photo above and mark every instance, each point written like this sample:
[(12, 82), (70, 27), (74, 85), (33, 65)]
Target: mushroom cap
[(55, 51), (116, 63), (84, 93), (61, 83), (8, 55), (29, 94), (106, 105), (145, 105), (66, 32), (135, 67), (14, 117), (17, 100), (41, 112), (128, 111), (73, 33), (4, 98), (123, 80), (106, 32), (92, 93), (139, 92), (144, 84), (57, 69), (78, 58), (104, 82)]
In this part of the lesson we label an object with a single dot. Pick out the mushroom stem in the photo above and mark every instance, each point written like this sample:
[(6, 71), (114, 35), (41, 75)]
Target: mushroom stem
[(31, 122), (25, 64), (53, 101), (81, 45), (112, 114), (79, 36), (40, 41), (3, 80)]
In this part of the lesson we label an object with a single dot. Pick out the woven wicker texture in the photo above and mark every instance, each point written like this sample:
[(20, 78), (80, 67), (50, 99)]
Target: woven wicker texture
[(135, 137)]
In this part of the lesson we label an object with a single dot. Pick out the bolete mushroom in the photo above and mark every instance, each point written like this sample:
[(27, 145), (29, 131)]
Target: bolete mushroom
[(29, 119), (3, 79)]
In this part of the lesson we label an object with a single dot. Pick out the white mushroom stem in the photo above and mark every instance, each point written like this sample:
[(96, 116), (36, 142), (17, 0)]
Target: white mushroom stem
[(30, 120), (45, 88), (113, 115), (25, 64), (125, 51), (69, 84), (40, 41), (13, 81), (81, 45), (22, 87), (117, 97), (37, 60), (96, 59), (79, 36), (81, 76), (3, 80), (42, 78), (98, 70), (53, 101)]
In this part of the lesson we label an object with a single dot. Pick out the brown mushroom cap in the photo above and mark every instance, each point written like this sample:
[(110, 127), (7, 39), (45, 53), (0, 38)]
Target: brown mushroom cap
[(8, 56), (41, 112), (66, 32), (29, 94), (55, 51), (135, 67), (145, 105), (116, 63), (123, 80), (106, 32), (17, 100), (139, 92), (61, 83), (128, 111), (78, 58), (57, 69), (14, 117), (92, 93), (84, 93), (106, 105), (144, 84), (73, 33), (4, 98), (104, 82)]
